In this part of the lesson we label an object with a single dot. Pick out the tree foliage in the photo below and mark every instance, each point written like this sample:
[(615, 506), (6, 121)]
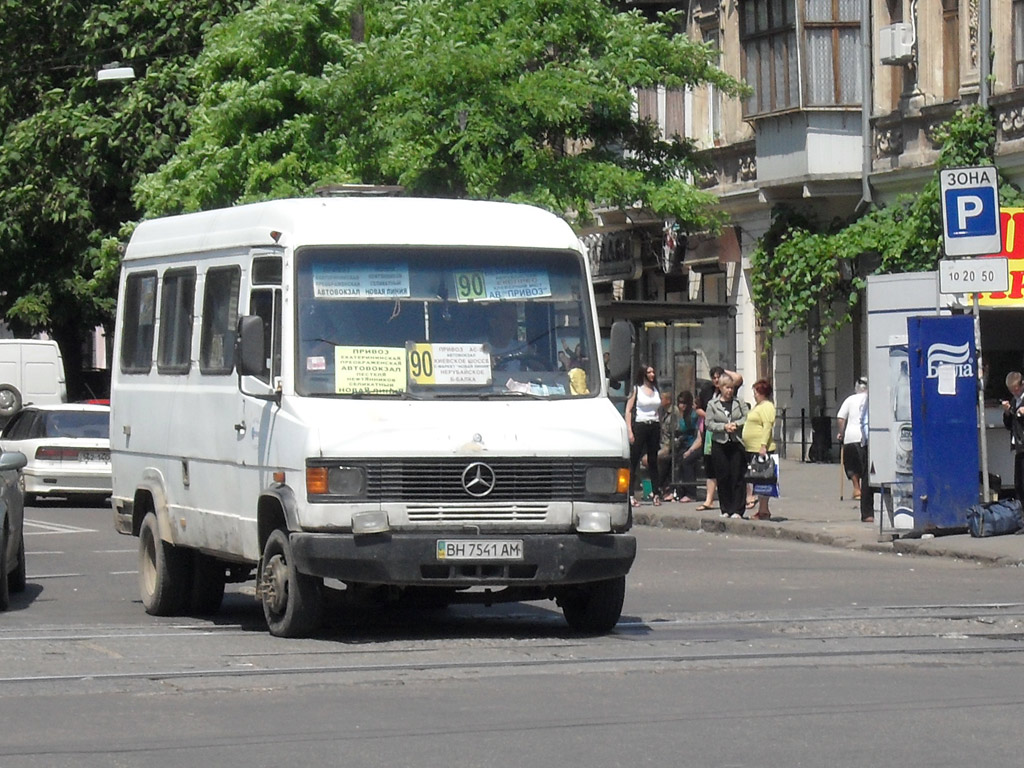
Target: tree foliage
[(527, 100), (72, 148), (795, 269)]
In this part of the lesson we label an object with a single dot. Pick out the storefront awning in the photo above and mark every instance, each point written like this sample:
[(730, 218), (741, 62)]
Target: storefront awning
[(661, 311)]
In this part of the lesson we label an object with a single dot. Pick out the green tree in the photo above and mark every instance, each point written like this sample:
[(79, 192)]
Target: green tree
[(795, 268), (72, 148), (526, 100)]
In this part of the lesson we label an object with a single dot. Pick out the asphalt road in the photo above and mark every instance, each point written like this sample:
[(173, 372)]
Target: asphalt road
[(732, 651)]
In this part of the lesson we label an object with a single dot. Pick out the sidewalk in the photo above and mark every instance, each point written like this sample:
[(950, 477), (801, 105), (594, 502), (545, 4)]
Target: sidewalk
[(810, 510)]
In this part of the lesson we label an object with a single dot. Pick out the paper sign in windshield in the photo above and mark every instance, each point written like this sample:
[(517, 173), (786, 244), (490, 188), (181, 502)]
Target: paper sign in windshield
[(501, 284), (369, 370), (432, 365), (360, 281)]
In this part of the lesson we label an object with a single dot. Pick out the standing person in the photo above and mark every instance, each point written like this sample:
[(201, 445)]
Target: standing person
[(726, 416), (707, 392), (849, 434), (643, 427), (758, 435), (1013, 420), (689, 444)]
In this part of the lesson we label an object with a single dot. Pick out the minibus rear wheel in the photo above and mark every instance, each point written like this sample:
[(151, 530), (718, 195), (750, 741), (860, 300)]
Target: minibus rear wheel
[(292, 601), (595, 607), (164, 576)]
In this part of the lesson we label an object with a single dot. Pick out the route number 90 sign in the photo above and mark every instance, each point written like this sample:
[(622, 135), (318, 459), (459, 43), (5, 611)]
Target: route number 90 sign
[(987, 275)]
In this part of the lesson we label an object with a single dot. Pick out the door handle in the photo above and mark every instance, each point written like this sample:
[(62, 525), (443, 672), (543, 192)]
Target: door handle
[(240, 427)]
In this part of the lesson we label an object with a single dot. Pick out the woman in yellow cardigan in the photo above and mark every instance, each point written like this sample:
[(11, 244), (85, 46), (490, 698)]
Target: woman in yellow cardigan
[(758, 434)]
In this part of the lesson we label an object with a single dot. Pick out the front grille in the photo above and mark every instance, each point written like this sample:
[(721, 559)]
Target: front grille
[(439, 481)]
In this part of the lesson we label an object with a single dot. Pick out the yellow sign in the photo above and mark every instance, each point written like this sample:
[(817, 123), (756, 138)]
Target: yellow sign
[(369, 370), (448, 364), (1012, 222)]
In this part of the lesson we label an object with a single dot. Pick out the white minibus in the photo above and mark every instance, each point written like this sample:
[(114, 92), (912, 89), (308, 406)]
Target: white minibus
[(386, 397)]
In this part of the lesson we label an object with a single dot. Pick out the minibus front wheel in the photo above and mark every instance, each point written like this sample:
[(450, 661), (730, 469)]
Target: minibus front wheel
[(595, 607), (292, 601)]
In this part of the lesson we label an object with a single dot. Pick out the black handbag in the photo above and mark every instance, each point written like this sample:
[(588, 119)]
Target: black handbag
[(761, 470)]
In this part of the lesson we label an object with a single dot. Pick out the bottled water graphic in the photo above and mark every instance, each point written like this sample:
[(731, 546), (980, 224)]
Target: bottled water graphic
[(901, 393)]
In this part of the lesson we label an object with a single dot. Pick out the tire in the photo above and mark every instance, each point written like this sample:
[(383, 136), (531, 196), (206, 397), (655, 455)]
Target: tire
[(292, 601), (595, 607), (17, 581), (5, 592), (10, 400), (208, 579), (164, 576)]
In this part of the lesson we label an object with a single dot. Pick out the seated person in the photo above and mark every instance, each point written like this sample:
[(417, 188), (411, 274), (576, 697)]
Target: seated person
[(508, 353)]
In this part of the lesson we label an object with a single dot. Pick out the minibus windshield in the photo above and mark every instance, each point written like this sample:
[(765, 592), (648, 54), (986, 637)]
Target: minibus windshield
[(443, 322)]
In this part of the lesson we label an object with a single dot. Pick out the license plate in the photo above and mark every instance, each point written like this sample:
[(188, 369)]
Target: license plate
[(93, 456), (480, 549)]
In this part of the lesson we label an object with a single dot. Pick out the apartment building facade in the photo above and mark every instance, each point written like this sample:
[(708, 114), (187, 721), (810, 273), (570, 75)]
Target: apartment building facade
[(846, 97)]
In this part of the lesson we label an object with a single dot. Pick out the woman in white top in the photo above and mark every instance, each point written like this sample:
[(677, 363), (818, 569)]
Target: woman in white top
[(643, 425)]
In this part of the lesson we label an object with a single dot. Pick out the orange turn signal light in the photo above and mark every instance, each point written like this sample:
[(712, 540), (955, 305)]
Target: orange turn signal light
[(316, 480), (622, 481)]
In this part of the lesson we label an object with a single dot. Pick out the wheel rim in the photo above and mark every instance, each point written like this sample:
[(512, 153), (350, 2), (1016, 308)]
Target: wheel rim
[(275, 584)]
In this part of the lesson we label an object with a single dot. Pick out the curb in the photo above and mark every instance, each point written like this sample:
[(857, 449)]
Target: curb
[(779, 530)]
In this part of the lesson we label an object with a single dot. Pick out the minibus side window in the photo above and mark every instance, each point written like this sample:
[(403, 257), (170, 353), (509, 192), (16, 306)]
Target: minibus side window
[(177, 299), (138, 319), (220, 317), (266, 303)]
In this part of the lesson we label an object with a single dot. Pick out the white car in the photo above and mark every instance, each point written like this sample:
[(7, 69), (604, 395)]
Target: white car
[(68, 449)]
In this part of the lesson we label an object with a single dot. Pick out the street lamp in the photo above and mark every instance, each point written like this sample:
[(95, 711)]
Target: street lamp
[(114, 71)]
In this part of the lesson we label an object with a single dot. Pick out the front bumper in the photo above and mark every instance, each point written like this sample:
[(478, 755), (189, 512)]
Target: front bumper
[(411, 559)]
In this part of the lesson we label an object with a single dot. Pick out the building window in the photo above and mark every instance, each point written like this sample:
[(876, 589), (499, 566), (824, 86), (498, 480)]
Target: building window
[(950, 49), (1018, 43), (832, 32), (666, 114), (830, 38), (768, 37), (177, 298)]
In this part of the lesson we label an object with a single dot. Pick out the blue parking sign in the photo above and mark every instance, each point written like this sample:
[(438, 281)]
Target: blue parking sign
[(970, 211), (973, 212)]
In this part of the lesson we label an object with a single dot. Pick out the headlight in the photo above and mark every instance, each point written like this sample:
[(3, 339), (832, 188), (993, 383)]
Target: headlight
[(607, 481), (336, 481)]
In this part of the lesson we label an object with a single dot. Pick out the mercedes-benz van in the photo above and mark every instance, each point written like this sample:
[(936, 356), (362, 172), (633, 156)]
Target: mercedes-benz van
[(383, 396)]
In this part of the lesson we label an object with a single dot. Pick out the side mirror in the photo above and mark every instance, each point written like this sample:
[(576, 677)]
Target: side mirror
[(12, 460), (250, 355), (620, 353)]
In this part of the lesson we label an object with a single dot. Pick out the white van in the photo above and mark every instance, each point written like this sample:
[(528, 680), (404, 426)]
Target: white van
[(31, 371), (404, 397)]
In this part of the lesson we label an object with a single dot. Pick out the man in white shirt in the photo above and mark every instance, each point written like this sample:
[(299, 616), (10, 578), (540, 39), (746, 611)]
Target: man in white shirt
[(849, 419)]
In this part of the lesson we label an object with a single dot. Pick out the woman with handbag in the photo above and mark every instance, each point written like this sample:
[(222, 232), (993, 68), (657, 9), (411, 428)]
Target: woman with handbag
[(758, 437), (726, 416)]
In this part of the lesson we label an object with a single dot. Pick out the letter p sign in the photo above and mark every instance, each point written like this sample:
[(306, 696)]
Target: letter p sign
[(967, 207), (970, 211)]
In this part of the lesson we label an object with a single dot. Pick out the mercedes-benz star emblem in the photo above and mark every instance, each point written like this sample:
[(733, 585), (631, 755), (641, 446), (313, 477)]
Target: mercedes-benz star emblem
[(478, 479)]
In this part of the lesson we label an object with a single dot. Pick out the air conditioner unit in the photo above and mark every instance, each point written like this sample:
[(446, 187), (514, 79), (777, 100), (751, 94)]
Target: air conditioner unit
[(896, 44)]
